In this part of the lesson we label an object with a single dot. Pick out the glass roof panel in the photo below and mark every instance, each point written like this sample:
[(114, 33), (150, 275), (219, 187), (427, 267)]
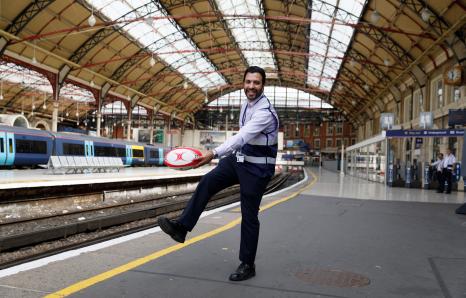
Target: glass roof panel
[(163, 37), (37, 84), (15, 74), (246, 30), (336, 41), (279, 97)]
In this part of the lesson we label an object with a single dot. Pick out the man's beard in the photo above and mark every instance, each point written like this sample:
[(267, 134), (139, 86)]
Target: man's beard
[(255, 91)]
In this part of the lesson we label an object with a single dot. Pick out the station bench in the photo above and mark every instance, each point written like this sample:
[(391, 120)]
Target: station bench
[(82, 164)]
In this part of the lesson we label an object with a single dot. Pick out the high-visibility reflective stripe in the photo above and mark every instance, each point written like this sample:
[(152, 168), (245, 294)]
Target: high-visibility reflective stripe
[(259, 159), (262, 141)]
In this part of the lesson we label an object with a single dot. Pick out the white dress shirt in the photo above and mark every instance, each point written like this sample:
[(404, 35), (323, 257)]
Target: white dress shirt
[(448, 161), (438, 164)]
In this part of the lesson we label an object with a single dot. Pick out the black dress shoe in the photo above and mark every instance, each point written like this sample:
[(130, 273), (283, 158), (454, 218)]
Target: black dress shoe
[(448, 192), (244, 271), (439, 191), (173, 228)]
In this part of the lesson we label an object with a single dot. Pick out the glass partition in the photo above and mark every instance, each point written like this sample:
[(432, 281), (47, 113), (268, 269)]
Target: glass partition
[(368, 159)]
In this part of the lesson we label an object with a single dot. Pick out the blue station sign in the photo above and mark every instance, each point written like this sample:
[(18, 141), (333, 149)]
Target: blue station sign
[(423, 133)]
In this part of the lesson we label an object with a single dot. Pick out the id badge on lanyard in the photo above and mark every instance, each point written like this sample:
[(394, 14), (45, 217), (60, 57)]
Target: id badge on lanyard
[(239, 157)]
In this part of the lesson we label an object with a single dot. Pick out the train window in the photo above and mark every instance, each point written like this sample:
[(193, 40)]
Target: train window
[(138, 153), (28, 146), (73, 149), (121, 152), (105, 151), (154, 154), (1, 146)]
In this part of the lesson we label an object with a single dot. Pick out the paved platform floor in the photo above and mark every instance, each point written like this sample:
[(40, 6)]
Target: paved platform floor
[(334, 185), (317, 244), (43, 177)]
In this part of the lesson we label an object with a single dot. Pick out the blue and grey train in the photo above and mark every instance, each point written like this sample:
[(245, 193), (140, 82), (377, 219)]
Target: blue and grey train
[(29, 147)]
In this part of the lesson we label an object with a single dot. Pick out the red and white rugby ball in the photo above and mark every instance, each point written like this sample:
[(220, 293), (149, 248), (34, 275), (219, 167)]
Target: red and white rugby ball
[(182, 158)]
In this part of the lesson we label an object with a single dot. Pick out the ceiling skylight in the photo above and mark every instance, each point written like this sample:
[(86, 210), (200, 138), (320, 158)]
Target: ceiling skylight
[(280, 97), (330, 41), (37, 84), (17, 75), (249, 33), (163, 37)]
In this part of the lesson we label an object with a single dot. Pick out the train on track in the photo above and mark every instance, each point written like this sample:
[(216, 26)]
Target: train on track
[(24, 147)]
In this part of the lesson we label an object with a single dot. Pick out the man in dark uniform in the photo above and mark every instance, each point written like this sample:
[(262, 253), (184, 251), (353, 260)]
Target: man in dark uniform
[(249, 159), (448, 162)]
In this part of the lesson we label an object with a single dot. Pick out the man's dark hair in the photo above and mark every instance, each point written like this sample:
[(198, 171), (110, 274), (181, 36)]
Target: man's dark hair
[(255, 69)]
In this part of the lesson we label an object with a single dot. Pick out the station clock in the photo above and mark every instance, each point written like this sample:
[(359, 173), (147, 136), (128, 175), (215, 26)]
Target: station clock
[(453, 75)]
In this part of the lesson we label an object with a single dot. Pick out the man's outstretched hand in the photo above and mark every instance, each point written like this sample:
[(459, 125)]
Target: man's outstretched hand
[(204, 159)]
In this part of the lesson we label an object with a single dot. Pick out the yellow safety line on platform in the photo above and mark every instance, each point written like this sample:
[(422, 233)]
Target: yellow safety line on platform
[(141, 261)]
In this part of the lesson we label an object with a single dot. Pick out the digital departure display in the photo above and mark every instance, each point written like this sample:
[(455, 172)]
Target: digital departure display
[(456, 117)]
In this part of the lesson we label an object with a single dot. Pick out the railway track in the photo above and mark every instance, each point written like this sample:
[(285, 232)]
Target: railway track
[(26, 239)]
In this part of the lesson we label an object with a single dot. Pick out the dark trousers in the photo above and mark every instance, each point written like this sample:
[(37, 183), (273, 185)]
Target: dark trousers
[(447, 176), (228, 173), (441, 181)]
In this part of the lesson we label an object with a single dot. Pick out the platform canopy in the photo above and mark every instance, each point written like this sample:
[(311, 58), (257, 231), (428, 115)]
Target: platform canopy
[(172, 55)]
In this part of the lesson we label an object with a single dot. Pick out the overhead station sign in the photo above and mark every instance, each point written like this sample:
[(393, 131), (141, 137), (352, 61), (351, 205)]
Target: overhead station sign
[(423, 133)]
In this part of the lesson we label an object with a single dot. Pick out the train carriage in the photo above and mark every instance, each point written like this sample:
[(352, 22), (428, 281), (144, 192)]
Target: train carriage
[(30, 147), (153, 155), (24, 147)]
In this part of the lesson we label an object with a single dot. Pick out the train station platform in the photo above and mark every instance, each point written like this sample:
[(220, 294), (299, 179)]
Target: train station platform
[(44, 177), (330, 236)]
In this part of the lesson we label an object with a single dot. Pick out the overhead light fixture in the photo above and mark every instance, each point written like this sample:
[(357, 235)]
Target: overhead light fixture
[(92, 83), (44, 106), (232, 115), (387, 62), (91, 20), (206, 99), (353, 102), (1, 90), (185, 85), (375, 17), (67, 114), (152, 61), (34, 60), (221, 110), (352, 63), (426, 14), (367, 87)]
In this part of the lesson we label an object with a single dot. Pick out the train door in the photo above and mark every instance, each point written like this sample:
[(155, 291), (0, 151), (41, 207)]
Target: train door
[(160, 156), (88, 148), (129, 155), (2, 148), (10, 149)]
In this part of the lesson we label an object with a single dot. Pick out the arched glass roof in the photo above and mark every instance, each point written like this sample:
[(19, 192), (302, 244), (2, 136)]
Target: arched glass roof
[(280, 97), (329, 38), (249, 30), (163, 37)]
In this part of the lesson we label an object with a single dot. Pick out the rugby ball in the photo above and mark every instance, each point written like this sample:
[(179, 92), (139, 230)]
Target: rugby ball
[(182, 158)]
